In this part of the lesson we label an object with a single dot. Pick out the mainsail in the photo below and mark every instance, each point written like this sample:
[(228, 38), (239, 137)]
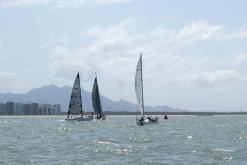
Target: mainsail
[(75, 104), (139, 86), (96, 98)]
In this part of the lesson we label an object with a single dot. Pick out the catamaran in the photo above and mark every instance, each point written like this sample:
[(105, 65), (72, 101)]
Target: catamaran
[(97, 102), (75, 104), (141, 120)]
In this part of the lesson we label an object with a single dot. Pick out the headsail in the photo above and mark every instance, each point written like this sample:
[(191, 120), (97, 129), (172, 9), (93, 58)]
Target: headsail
[(139, 86), (96, 98), (75, 104)]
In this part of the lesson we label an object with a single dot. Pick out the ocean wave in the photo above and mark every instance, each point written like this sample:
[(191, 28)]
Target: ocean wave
[(227, 158), (111, 143), (221, 150), (190, 137)]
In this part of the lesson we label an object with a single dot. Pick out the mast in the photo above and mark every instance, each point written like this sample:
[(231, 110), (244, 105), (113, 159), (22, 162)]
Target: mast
[(142, 86), (80, 93)]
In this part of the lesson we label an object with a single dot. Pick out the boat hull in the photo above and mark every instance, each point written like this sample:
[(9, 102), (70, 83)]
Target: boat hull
[(80, 118), (102, 117), (147, 121)]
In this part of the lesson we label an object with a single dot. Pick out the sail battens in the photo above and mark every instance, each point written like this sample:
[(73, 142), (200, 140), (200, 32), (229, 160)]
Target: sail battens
[(139, 86), (96, 99), (75, 105)]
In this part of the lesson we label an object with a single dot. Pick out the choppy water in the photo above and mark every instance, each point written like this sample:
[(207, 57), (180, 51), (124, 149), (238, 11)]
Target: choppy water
[(179, 140)]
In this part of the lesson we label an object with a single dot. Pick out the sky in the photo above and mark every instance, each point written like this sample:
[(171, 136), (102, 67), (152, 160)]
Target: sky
[(194, 51)]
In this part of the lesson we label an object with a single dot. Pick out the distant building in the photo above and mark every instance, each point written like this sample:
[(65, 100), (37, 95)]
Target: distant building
[(11, 108), (26, 109), (34, 109), (2, 109), (45, 109), (56, 109), (18, 109)]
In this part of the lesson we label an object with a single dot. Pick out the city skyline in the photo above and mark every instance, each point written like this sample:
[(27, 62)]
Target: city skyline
[(194, 53)]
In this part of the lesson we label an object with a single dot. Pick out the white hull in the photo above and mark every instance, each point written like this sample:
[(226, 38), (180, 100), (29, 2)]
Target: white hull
[(147, 121), (80, 118)]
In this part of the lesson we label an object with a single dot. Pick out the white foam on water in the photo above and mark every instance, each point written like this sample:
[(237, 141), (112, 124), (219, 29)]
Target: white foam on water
[(221, 150), (61, 120), (102, 142), (227, 158), (122, 151), (190, 137), (64, 128)]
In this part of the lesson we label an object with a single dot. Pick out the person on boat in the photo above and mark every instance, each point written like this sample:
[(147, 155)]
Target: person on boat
[(142, 119)]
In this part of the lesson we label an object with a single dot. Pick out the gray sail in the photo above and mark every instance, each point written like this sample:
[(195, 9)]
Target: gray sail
[(96, 98), (75, 104), (139, 86)]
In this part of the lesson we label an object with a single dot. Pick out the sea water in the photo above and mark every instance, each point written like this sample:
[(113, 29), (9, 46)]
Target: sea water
[(179, 140)]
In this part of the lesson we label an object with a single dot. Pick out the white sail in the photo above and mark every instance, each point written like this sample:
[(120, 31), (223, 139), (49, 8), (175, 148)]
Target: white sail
[(75, 104), (139, 86)]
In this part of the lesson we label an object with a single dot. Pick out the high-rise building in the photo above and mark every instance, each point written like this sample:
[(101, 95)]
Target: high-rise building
[(9, 108), (56, 109), (34, 109), (18, 109), (26, 109), (2, 109)]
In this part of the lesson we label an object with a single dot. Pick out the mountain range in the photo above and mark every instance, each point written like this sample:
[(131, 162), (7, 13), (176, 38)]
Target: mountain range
[(52, 94)]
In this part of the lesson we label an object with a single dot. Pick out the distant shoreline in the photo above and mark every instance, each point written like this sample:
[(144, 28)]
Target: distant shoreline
[(153, 113)]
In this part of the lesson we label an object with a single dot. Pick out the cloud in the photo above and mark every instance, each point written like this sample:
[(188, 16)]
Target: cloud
[(200, 31), (218, 77), (112, 47), (1, 45), (10, 82), (59, 3), (114, 51), (239, 58), (7, 76), (242, 33)]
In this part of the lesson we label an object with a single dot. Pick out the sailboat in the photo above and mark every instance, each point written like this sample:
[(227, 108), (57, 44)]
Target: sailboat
[(96, 101), (141, 120), (75, 112)]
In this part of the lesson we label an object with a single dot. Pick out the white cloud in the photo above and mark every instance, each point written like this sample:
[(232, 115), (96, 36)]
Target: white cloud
[(242, 33), (114, 51), (9, 82), (58, 3), (1, 45), (240, 58), (218, 77), (200, 31), (7, 75)]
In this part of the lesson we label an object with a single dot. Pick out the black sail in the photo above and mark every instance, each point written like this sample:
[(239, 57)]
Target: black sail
[(96, 99), (75, 104)]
